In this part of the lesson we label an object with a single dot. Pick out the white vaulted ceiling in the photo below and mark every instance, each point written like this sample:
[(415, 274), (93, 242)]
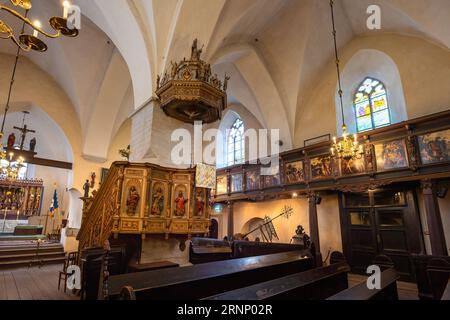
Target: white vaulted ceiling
[(275, 51)]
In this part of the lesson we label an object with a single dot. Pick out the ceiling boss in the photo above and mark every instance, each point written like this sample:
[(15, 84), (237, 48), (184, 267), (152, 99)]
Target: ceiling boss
[(27, 41), (190, 92)]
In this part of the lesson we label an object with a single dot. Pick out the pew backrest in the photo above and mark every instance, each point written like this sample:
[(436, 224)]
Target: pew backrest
[(424, 285), (438, 271), (314, 284), (446, 295), (199, 281), (243, 249), (387, 291)]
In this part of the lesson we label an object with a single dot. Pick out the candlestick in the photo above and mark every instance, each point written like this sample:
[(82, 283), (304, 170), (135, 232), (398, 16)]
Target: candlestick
[(37, 24), (66, 5)]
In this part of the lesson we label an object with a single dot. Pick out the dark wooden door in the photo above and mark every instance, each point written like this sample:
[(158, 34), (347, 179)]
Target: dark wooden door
[(384, 222), (214, 229)]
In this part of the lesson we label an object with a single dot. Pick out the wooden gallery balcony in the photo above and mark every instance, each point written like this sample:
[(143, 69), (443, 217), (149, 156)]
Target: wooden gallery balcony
[(409, 151)]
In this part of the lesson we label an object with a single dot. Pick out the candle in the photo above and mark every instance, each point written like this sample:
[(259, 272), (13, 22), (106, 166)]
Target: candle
[(335, 140), (36, 24), (355, 137), (332, 151), (66, 5)]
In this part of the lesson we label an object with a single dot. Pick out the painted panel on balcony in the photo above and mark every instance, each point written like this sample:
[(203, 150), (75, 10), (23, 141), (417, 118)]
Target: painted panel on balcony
[(435, 147), (391, 155)]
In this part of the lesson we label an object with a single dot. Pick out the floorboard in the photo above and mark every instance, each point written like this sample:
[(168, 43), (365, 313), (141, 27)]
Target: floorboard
[(33, 284), (406, 290)]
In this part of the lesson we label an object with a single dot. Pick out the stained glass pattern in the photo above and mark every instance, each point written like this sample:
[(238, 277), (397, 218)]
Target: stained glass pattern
[(371, 105), (235, 147)]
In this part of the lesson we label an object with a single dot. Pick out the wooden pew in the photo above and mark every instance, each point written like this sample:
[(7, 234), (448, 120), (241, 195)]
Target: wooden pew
[(91, 263), (203, 250), (388, 289), (438, 271), (204, 280), (446, 295), (315, 284), (242, 249), (424, 284)]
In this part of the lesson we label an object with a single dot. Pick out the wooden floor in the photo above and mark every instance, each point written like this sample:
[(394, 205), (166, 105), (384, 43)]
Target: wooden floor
[(406, 290), (42, 284), (32, 284)]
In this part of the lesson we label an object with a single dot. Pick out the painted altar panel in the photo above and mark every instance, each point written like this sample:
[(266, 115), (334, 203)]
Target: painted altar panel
[(132, 197), (434, 147), (158, 200), (180, 201)]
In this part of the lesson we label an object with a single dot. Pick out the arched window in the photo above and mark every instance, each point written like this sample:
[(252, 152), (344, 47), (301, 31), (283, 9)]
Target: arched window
[(371, 105), (235, 144)]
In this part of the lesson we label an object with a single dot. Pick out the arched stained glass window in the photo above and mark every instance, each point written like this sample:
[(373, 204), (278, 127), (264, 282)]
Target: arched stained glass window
[(235, 144), (371, 105)]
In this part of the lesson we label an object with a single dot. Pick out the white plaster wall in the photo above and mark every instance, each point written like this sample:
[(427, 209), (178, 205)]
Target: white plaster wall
[(444, 206), (424, 70), (328, 216)]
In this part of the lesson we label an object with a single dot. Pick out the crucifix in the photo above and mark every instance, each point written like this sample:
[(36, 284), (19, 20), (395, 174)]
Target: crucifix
[(24, 130)]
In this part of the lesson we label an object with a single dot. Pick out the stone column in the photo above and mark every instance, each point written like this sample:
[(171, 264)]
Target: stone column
[(230, 226), (434, 220), (314, 226)]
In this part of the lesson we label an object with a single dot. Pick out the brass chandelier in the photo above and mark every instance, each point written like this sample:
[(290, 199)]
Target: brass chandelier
[(346, 148), (29, 42), (10, 166)]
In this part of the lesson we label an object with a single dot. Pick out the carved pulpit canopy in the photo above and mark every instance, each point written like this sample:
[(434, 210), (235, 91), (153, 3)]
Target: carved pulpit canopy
[(190, 92)]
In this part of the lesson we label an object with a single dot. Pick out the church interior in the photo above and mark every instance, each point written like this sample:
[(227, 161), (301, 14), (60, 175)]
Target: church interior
[(225, 150)]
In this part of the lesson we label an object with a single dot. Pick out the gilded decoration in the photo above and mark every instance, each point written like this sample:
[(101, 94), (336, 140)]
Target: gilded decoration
[(189, 91)]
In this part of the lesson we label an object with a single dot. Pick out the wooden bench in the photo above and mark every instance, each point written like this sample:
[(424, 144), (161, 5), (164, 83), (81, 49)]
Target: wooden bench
[(91, 264), (315, 284), (151, 266), (204, 280), (202, 250), (388, 290), (427, 287), (446, 295)]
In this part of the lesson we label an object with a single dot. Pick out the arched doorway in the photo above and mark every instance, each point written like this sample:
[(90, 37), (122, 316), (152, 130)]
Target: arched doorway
[(251, 225)]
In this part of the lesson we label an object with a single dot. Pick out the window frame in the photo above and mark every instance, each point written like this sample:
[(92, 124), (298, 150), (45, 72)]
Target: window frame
[(371, 104), (232, 145)]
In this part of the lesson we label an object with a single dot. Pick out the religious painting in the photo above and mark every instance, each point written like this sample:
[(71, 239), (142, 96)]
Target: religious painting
[(294, 172), (321, 167), (181, 201), (205, 176), (158, 199), (352, 166), (271, 176), (200, 203), (391, 155), (221, 185), (236, 182), (133, 199), (435, 147), (253, 180)]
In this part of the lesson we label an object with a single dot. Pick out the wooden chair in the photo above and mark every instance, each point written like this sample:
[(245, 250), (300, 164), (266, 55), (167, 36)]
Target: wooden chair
[(71, 259)]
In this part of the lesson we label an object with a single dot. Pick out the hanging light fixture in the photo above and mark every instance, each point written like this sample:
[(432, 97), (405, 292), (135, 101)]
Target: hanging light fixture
[(10, 167), (29, 42), (346, 147)]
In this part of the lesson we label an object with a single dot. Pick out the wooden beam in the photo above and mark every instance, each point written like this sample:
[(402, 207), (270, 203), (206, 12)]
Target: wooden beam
[(51, 163), (29, 157)]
